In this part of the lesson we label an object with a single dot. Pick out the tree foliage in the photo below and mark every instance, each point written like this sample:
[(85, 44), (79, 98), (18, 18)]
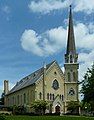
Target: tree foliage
[(73, 106), (2, 117), (88, 88), (2, 99), (39, 106)]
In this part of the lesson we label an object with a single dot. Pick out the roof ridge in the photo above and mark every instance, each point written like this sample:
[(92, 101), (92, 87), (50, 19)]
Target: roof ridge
[(29, 79)]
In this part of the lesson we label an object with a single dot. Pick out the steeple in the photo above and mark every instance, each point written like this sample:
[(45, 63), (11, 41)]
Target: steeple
[(71, 66), (70, 55)]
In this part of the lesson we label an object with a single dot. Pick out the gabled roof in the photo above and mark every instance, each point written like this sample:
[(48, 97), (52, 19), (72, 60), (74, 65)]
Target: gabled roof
[(30, 79)]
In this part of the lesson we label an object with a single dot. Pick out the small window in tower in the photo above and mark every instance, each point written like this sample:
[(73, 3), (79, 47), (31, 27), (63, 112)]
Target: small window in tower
[(71, 59), (71, 91), (74, 76), (69, 78)]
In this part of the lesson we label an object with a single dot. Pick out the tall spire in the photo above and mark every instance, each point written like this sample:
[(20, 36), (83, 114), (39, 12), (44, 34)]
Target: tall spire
[(71, 56), (71, 40)]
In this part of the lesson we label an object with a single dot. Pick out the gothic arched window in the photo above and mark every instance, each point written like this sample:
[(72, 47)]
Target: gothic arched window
[(62, 97), (18, 99), (55, 84), (71, 91), (40, 95), (69, 77), (50, 96), (53, 96), (21, 99), (24, 98), (74, 76), (47, 96), (71, 59)]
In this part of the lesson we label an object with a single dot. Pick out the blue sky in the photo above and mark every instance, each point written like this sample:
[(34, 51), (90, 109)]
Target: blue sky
[(34, 31)]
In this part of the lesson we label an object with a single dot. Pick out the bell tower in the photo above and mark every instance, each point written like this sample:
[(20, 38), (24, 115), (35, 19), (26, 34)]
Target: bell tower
[(71, 66)]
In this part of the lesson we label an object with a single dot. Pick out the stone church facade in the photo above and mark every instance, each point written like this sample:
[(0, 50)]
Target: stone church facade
[(49, 82)]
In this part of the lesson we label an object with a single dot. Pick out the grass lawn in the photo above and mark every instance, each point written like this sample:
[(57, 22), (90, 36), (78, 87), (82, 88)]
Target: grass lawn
[(48, 118)]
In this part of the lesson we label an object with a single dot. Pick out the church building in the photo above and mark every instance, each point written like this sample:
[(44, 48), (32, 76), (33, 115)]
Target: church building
[(49, 82)]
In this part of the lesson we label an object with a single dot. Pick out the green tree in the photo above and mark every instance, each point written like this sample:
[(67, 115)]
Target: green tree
[(88, 88), (73, 107), (39, 106), (2, 99), (2, 117)]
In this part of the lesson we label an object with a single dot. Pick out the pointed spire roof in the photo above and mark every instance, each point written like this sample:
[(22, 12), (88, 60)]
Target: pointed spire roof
[(71, 49)]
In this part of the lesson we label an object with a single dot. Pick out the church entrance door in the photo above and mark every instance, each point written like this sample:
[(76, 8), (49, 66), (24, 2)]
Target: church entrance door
[(57, 109)]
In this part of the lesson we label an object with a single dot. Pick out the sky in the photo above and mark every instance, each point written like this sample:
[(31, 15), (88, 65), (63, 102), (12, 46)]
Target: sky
[(35, 31)]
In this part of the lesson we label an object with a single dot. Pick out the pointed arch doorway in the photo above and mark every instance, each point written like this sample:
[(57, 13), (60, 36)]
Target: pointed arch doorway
[(57, 109)]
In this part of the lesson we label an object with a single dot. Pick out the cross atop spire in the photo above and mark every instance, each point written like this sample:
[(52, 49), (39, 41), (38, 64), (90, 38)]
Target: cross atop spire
[(71, 40)]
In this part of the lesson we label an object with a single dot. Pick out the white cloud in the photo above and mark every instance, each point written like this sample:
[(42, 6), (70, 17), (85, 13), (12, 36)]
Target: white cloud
[(47, 43), (83, 36), (86, 60), (46, 6), (30, 42), (54, 40), (84, 5)]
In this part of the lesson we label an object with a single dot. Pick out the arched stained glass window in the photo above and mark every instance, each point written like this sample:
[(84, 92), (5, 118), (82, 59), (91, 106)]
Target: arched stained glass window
[(55, 84)]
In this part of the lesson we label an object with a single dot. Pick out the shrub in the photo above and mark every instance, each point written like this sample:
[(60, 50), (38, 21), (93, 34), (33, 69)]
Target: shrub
[(2, 117)]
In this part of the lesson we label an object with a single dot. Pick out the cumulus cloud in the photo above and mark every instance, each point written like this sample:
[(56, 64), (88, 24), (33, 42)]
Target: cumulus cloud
[(54, 40), (86, 60), (46, 6), (84, 5), (30, 42), (84, 37), (47, 43)]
